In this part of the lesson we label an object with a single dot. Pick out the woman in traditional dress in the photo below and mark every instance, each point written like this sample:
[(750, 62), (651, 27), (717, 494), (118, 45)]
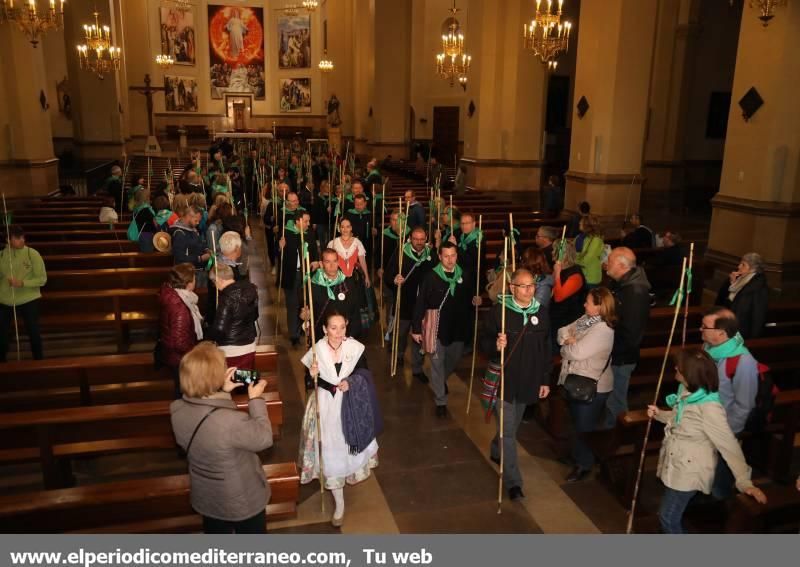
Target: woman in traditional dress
[(340, 366), (352, 262)]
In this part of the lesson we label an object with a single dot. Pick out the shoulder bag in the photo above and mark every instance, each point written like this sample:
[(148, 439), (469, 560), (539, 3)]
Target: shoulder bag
[(582, 388)]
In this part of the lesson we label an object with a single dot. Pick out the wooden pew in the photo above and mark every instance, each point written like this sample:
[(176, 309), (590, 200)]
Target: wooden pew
[(53, 437), (33, 237), (102, 279), (781, 513), (89, 380), (51, 248), (32, 218), (107, 260), (152, 505)]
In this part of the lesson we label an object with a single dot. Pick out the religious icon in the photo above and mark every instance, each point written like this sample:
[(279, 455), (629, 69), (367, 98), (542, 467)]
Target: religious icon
[(295, 95), (180, 94), (236, 47), (178, 35), (64, 100), (294, 42), (334, 120)]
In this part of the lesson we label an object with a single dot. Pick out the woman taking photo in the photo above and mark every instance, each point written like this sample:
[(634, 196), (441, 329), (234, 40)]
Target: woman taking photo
[(695, 435), (229, 488), (340, 366), (586, 350)]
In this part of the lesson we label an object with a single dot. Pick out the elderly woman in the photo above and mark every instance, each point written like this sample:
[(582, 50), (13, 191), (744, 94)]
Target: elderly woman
[(696, 434), (746, 294), (229, 252), (234, 326), (180, 323), (228, 486), (586, 351), (568, 289), (338, 363)]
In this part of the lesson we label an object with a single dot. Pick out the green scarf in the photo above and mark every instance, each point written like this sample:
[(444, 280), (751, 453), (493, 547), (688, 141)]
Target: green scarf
[(358, 213), (132, 191), (219, 188), (526, 312), (423, 256), (389, 233), (732, 347), (698, 397), (291, 226), (320, 278), (452, 280), (466, 239)]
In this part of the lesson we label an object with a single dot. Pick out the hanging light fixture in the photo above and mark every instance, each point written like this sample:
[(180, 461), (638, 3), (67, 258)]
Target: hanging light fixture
[(766, 9), (453, 63), (547, 36), (325, 64), (290, 10), (31, 20), (99, 55), (164, 61), (310, 5), (183, 5)]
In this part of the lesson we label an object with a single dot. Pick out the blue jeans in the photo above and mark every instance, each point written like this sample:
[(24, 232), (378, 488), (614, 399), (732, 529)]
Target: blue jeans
[(722, 489), (585, 417), (617, 402), (673, 505)]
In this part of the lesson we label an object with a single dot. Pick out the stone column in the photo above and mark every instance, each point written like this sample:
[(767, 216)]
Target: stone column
[(364, 73), (507, 84), (27, 164), (96, 104), (615, 48), (757, 208), (392, 98)]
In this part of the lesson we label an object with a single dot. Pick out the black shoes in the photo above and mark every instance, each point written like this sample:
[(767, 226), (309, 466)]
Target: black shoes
[(577, 474), (295, 342), (495, 460), (515, 493), (441, 411), (421, 377)]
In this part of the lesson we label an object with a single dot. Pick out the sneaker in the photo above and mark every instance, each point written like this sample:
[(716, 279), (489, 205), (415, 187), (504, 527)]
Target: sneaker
[(515, 493)]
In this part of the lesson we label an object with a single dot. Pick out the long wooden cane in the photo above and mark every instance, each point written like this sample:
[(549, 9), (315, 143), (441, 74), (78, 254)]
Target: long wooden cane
[(655, 399), (502, 380), (430, 215), (303, 271), (475, 328), (280, 271), (688, 293), (513, 246), (11, 273), (307, 266), (216, 271), (396, 322), (372, 238), (450, 219), (380, 283)]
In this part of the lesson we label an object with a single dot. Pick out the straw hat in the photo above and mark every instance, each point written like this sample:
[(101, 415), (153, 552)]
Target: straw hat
[(162, 242)]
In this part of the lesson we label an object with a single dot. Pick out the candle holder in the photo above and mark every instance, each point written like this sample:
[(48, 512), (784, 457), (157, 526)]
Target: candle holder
[(547, 36), (98, 54), (30, 19)]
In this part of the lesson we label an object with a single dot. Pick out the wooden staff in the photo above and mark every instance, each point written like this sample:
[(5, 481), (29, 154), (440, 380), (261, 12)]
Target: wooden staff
[(216, 270), (452, 228), (502, 379), (280, 272), (396, 326), (307, 265), (11, 273), (475, 329), (372, 238), (655, 398), (303, 271), (513, 247), (430, 215), (688, 293), (122, 188), (383, 262), (148, 173)]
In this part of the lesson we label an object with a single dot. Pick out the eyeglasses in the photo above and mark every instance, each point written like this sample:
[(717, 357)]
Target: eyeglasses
[(524, 286), (709, 329)]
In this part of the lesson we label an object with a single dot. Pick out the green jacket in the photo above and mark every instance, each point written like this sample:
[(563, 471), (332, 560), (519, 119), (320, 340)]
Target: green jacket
[(28, 266), (590, 259)]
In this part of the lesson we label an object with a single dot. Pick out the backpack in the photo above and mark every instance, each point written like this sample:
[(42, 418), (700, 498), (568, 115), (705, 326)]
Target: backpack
[(133, 228), (761, 414)]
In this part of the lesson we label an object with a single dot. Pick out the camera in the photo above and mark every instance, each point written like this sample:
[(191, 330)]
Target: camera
[(246, 377)]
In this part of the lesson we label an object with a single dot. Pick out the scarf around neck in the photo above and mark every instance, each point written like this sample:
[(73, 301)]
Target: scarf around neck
[(679, 401), (420, 257), (526, 312), (321, 279), (732, 347), (189, 299), (737, 286), (358, 213), (466, 239), (451, 280), (389, 233), (585, 322)]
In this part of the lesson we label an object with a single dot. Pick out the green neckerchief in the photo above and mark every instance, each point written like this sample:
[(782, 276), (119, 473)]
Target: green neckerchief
[(291, 226), (453, 280), (698, 397), (418, 258), (466, 239), (321, 279), (526, 312), (732, 347), (389, 233), (358, 213), (216, 188), (132, 191), (446, 232)]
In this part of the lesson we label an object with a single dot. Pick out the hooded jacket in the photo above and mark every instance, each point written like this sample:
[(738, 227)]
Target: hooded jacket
[(632, 297)]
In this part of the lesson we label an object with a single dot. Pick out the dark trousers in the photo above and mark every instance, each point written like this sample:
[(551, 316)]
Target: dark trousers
[(585, 418), (255, 525), (293, 306), (270, 237), (29, 313)]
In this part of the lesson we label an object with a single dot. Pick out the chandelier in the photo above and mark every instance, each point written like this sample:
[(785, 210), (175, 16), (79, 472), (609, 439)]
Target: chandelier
[(183, 5), (98, 54), (452, 64), (547, 36), (310, 5), (30, 20), (766, 9), (290, 10), (325, 64), (164, 61)]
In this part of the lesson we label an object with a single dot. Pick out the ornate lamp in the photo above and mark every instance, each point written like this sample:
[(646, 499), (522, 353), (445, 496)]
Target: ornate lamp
[(453, 63), (547, 36), (30, 19), (98, 54)]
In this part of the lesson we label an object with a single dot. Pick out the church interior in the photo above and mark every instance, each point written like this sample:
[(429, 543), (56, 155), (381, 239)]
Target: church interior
[(648, 150)]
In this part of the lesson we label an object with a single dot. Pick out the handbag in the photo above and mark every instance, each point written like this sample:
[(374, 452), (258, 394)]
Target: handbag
[(582, 388), (430, 327), (491, 379)]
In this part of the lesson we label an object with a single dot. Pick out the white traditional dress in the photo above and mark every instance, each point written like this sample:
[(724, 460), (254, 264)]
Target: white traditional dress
[(339, 466)]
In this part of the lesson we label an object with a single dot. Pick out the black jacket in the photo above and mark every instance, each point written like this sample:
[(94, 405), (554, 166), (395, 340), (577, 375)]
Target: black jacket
[(291, 254), (749, 305), (632, 297), (416, 215), (413, 281), (349, 307), (528, 366), (456, 314), (187, 245), (237, 313)]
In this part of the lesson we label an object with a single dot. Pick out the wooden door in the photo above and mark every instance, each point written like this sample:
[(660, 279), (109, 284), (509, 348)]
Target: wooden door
[(445, 134), (238, 116)]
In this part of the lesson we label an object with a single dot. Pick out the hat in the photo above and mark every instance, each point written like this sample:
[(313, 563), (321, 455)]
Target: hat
[(162, 242)]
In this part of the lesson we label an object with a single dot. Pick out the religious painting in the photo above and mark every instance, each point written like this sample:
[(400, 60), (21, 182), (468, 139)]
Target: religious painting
[(295, 95), (294, 42), (180, 93), (64, 99), (236, 47), (177, 34)]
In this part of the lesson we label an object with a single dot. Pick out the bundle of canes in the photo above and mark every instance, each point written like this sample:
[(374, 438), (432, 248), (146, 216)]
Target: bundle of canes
[(380, 283), (502, 381), (307, 285), (688, 293), (401, 224), (11, 272), (475, 327), (679, 294), (280, 271)]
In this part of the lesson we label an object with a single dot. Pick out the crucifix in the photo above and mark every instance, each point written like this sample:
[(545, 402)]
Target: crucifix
[(152, 147)]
